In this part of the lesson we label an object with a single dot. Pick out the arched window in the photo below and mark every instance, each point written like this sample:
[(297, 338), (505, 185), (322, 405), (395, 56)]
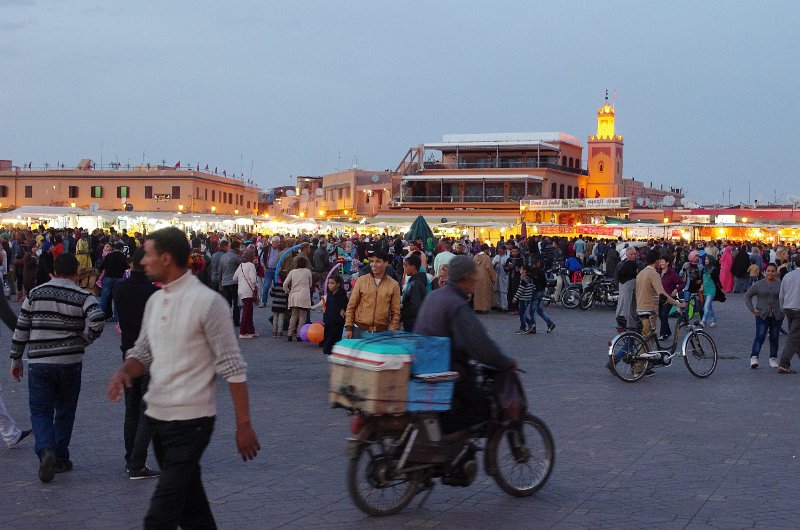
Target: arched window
[(561, 192), (569, 192), (563, 161), (553, 190), (600, 167), (571, 161), (577, 163), (583, 193)]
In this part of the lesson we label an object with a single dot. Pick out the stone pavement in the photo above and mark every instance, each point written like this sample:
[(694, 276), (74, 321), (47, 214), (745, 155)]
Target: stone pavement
[(671, 451)]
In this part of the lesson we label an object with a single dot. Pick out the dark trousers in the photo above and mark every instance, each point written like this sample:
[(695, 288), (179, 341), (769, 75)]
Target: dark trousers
[(333, 334), (136, 430), (231, 294), (179, 498), (53, 391), (246, 325), (764, 327), (513, 284), (792, 344), (663, 315)]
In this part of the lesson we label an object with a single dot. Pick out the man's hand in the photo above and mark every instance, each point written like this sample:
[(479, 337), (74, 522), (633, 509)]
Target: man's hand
[(348, 334), (756, 312), (17, 370), (118, 381), (247, 442)]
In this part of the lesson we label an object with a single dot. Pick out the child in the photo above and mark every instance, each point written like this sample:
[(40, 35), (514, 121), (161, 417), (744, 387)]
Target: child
[(280, 305), (333, 318), (754, 271), (524, 295)]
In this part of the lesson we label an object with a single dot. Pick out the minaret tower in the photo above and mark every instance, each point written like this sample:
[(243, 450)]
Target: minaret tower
[(605, 156)]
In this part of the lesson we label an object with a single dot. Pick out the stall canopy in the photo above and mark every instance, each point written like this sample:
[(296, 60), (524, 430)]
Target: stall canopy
[(421, 231)]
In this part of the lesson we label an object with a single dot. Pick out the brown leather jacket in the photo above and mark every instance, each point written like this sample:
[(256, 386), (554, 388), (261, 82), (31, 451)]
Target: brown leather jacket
[(374, 307)]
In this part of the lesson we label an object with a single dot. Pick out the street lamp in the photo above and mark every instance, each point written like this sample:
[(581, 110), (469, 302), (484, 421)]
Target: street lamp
[(213, 209), (180, 207)]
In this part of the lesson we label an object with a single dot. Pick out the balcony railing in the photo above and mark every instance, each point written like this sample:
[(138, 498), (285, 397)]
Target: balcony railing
[(455, 199), (504, 164)]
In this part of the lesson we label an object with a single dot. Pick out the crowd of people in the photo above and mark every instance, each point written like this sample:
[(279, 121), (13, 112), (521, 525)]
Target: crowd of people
[(71, 282)]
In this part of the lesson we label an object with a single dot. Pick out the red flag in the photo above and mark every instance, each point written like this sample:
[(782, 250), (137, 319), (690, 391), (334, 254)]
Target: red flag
[(597, 194), (178, 165), (206, 167)]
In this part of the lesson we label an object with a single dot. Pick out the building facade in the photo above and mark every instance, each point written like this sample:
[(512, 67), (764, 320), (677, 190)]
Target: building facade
[(142, 189)]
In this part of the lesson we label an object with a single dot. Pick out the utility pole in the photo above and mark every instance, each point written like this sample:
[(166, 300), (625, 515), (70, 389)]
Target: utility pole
[(748, 193)]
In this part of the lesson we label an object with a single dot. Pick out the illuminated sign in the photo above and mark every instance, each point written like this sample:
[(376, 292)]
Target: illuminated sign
[(601, 203)]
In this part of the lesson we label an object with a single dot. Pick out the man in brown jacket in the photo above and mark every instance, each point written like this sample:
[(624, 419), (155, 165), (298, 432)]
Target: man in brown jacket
[(375, 302)]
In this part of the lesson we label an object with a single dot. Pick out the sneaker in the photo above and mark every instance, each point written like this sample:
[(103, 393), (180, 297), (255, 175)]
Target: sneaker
[(701, 324), (47, 466), (753, 362), (522, 331), (665, 336), (24, 435), (260, 304), (145, 472), (62, 466), (275, 335), (246, 335), (773, 362), (713, 324), (551, 327), (531, 329)]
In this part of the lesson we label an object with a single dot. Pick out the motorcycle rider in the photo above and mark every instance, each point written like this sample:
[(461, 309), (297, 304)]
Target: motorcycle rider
[(446, 313)]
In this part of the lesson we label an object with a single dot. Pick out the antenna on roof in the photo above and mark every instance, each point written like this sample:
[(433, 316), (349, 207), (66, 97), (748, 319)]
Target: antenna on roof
[(606, 96)]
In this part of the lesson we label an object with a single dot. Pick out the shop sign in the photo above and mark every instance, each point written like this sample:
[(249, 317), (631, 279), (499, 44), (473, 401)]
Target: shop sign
[(162, 197), (600, 203), (725, 219), (700, 219)]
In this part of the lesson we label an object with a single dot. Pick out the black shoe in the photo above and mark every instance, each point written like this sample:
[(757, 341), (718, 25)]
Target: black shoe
[(24, 435), (47, 466), (62, 466), (289, 338), (551, 327), (145, 472), (531, 330), (783, 332), (110, 320)]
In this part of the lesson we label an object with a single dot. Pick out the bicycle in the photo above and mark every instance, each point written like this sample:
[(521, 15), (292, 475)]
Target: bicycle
[(631, 354)]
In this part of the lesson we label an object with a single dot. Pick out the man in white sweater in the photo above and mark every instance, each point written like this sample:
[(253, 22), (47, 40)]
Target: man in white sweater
[(790, 304), (187, 339)]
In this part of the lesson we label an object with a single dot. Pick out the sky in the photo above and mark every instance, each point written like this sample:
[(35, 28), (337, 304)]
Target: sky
[(706, 92)]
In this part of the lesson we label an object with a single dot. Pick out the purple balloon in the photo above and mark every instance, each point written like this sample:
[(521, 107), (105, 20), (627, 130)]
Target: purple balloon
[(304, 332)]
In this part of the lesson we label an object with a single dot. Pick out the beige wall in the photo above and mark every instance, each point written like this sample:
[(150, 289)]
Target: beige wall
[(199, 192)]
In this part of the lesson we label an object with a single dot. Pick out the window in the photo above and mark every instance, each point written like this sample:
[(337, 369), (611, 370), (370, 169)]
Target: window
[(123, 192), (561, 191), (241, 199), (248, 205), (206, 194), (600, 167), (553, 190), (148, 192), (213, 195), (28, 192), (176, 192), (96, 192), (73, 192), (571, 161), (3, 191), (577, 163), (569, 192), (563, 161)]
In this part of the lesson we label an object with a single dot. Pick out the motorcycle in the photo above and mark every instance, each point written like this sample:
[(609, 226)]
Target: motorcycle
[(392, 458), (558, 282), (601, 288)]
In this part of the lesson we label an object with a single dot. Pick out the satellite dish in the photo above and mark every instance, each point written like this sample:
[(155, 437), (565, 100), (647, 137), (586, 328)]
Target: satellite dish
[(94, 207), (375, 178), (669, 200), (319, 192), (444, 219), (290, 193), (640, 201)]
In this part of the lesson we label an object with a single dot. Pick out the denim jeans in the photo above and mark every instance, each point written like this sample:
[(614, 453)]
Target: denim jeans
[(105, 295), (179, 498), (708, 310), (53, 391), (269, 278), (524, 318), (663, 315), (136, 431), (763, 327), (536, 307)]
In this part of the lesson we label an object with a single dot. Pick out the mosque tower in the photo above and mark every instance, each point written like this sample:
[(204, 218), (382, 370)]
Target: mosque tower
[(605, 157)]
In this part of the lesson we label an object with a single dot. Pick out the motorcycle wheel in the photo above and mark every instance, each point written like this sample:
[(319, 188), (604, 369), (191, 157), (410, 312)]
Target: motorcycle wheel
[(571, 297), (371, 480), (524, 454), (587, 299)]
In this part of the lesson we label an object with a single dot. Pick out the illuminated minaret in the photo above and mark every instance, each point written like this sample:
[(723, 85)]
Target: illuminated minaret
[(605, 156)]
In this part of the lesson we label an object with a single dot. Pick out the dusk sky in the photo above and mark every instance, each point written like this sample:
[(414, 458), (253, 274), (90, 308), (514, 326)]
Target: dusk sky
[(707, 92)]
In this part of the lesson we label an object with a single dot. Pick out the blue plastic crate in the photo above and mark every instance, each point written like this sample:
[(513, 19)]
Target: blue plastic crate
[(430, 354), (429, 397)]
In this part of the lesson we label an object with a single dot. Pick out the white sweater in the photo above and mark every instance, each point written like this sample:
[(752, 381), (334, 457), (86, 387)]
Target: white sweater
[(187, 338)]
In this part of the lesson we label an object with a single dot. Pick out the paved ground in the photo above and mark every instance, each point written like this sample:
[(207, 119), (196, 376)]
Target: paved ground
[(672, 451)]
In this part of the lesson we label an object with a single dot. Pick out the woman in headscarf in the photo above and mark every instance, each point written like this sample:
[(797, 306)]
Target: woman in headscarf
[(247, 290), (741, 262), (712, 290), (725, 274), (82, 252), (482, 301)]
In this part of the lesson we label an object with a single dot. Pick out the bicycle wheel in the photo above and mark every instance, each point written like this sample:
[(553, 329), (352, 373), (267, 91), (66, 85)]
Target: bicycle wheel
[(373, 484), (624, 356), (699, 353), (523, 454), (571, 297), (587, 299)]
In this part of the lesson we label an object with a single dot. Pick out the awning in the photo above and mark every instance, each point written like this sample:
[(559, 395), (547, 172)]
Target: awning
[(500, 178)]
